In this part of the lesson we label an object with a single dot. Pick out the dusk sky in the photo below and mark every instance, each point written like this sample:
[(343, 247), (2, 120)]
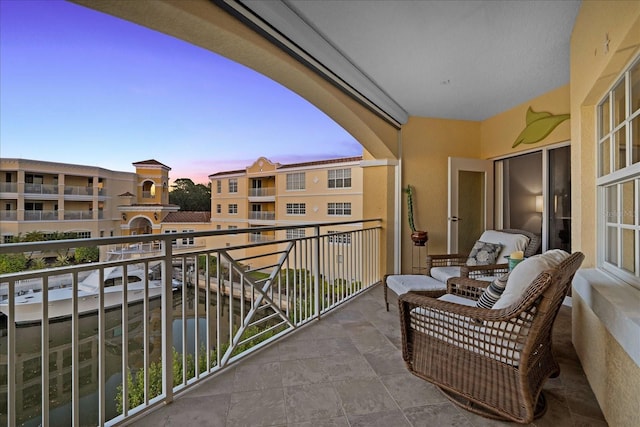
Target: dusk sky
[(78, 86)]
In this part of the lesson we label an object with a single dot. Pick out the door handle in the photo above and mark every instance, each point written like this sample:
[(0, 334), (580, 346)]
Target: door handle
[(455, 219)]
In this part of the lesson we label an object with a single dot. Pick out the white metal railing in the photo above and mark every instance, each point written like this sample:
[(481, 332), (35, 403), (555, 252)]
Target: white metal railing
[(8, 187), (11, 215), (262, 216), (78, 215), (262, 192), (41, 215), (222, 302), (76, 190), (41, 188)]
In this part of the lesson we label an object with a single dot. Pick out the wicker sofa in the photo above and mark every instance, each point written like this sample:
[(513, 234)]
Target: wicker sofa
[(493, 362), (442, 267)]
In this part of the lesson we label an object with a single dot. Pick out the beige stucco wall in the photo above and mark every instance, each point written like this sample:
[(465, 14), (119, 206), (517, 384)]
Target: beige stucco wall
[(592, 73), (427, 144), (498, 133), (606, 36)]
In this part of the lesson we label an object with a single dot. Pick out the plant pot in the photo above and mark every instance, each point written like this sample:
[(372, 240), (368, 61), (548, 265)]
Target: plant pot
[(419, 237)]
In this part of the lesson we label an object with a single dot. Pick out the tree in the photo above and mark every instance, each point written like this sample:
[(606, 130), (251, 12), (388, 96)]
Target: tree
[(190, 196)]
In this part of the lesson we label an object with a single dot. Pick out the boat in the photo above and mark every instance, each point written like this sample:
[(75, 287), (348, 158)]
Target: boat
[(28, 305)]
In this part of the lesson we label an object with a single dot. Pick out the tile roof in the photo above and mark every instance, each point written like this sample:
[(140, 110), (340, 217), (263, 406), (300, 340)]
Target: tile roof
[(188, 216), (296, 165), (150, 162)]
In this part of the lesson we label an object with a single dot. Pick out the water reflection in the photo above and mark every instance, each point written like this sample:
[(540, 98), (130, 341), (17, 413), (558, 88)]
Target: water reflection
[(28, 357)]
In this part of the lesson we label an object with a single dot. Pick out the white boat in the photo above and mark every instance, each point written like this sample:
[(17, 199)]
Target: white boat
[(28, 306)]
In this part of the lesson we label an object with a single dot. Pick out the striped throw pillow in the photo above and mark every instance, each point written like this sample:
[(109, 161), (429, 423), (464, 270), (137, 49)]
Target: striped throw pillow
[(493, 292)]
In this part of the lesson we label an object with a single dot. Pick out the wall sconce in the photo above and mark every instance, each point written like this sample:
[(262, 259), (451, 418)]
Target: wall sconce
[(539, 204), (155, 216), (124, 217)]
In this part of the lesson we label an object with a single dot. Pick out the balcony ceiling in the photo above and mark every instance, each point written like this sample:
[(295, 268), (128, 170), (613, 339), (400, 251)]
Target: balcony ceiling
[(467, 60)]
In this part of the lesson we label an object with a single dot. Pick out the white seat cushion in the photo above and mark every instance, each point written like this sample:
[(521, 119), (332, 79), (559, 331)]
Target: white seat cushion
[(510, 242), (524, 273), (458, 300), (442, 274), (403, 283)]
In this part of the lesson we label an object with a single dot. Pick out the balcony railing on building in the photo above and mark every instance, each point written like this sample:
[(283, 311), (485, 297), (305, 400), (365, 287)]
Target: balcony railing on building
[(262, 192), (10, 215), (41, 188), (76, 190), (262, 216), (8, 187), (167, 320), (78, 215), (41, 215)]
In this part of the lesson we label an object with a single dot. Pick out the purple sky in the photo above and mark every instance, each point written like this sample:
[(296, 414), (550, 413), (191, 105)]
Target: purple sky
[(79, 86)]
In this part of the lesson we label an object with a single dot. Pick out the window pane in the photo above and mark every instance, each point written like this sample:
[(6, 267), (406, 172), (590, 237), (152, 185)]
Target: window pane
[(628, 210), (611, 254), (605, 124), (635, 87), (635, 140), (620, 149), (618, 104), (611, 198), (629, 250), (605, 157)]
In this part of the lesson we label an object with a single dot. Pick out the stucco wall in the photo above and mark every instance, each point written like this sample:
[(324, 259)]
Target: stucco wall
[(606, 36), (498, 133), (427, 144)]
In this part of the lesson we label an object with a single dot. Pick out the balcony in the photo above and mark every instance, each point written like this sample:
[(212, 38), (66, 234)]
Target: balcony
[(11, 215), (262, 216), (78, 215), (266, 194), (41, 189), (41, 215), (75, 190), (258, 237), (8, 187), (347, 369), (166, 319)]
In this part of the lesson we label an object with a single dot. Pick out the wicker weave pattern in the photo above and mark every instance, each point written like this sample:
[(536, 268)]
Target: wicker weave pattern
[(495, 361)]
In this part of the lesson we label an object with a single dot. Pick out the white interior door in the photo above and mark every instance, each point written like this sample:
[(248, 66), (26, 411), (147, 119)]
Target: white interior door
[(470, 208)]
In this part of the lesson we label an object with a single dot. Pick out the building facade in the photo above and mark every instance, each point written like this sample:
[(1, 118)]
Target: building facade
[(90, 201), (267, 193)]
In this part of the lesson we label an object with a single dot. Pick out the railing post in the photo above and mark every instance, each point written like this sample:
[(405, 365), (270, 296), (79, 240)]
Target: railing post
[(316, 272), (167, 328)]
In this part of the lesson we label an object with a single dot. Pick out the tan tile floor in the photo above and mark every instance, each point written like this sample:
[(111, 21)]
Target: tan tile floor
[(347, 370)]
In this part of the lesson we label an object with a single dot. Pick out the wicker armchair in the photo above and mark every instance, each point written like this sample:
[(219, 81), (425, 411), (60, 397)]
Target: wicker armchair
[(478, 271), (492, 362)]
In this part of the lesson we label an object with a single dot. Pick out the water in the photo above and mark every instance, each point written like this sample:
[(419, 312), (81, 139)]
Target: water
[(28, 366)]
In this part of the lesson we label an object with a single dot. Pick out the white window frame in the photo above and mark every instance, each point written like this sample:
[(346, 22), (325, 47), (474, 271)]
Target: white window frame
[(219, 208), (296, 181), (233, 185), (615, 218), (339, 239), (339, 208), (218, 186), (295, 233), (339, 178), (296, 208), (233, 209), (188, 241)]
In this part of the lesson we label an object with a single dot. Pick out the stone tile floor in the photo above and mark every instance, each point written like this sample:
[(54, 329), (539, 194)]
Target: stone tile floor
[(347, 370)]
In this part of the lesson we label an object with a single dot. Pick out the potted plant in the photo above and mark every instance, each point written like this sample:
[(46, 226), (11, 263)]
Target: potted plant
[(419, 237)]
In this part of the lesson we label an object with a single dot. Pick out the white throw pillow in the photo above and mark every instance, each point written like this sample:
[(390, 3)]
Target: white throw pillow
[(510, 242), (524, 273)]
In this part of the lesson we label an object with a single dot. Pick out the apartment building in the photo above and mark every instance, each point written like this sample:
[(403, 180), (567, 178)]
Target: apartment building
[(90, 201), (268, 193)]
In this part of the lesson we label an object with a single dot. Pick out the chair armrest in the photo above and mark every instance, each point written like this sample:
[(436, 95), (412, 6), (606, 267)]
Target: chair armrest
[(446, 260), (467, 288), (476, 271)]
